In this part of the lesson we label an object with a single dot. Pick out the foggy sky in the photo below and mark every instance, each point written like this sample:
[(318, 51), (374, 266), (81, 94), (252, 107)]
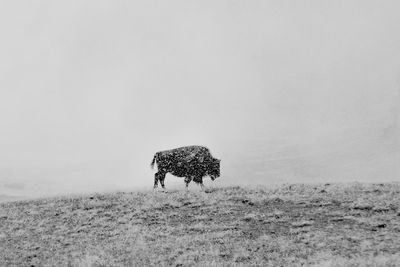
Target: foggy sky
[(281, 91)]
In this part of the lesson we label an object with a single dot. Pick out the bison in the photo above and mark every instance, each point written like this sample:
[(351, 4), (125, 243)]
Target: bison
[(191, 162)]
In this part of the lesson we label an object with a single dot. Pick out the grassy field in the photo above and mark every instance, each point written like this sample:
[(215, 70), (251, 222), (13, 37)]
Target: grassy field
[(287, 225)]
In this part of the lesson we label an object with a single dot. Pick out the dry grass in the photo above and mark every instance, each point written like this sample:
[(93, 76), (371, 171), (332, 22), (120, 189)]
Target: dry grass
[(289, 225)]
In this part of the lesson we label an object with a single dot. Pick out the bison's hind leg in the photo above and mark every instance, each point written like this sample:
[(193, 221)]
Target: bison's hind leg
[(159, 176), (187, 181)]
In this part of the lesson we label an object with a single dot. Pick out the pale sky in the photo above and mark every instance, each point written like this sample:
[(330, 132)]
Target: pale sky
[(280, 91)]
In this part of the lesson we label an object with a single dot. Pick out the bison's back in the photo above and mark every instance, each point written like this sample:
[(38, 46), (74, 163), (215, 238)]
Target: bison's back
[(186, 150), (182, 159)]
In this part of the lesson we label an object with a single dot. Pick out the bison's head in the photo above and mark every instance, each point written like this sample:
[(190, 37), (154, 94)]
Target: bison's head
[(213, 169)]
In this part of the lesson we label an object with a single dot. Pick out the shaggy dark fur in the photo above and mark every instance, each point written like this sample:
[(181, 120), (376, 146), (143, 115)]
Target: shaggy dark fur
[(191, 162)]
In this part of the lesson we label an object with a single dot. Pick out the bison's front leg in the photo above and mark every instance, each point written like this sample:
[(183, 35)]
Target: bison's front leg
[(199, 180), (202, 186)]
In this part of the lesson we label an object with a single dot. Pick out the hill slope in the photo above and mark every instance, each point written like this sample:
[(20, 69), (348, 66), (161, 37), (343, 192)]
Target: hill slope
[(330, 225)]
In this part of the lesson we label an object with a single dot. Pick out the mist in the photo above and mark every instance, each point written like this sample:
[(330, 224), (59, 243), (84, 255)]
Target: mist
[(288, 91)]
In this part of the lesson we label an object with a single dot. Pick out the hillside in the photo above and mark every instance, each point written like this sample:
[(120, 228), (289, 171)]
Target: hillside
[(328, 225)]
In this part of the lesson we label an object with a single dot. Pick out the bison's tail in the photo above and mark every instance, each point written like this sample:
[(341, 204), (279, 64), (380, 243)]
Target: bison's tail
[(153, 161)]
